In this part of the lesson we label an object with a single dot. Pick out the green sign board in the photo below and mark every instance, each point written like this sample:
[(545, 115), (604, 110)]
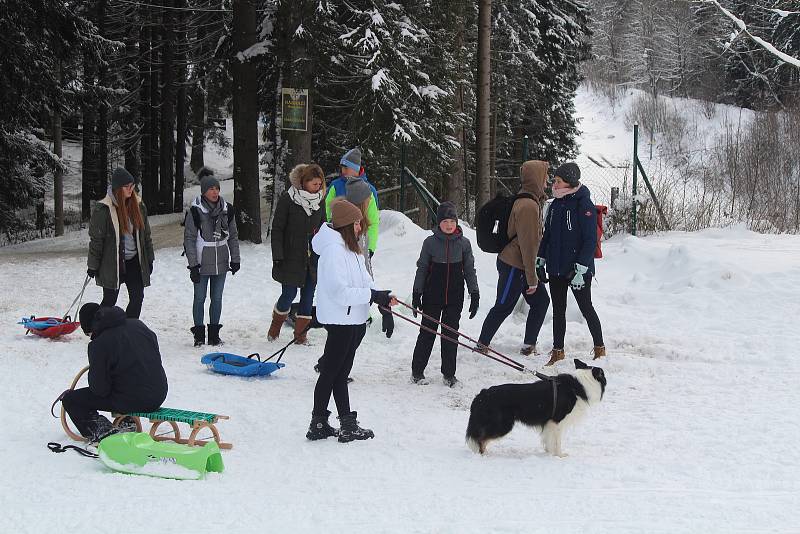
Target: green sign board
[(294, 109)]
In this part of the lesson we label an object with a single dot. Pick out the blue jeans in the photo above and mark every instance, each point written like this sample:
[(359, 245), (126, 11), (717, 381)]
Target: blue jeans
[(215, 310), (511, 283), (288, 293)]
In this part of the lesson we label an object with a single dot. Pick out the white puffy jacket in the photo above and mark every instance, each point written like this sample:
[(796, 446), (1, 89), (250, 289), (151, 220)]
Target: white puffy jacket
[(343, 283)]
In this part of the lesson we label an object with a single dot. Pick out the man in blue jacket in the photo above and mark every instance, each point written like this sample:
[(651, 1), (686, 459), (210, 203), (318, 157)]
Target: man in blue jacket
[(125, 371)]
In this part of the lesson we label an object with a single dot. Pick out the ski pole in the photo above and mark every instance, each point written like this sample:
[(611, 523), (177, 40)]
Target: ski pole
[(507, 361), (462, 335)]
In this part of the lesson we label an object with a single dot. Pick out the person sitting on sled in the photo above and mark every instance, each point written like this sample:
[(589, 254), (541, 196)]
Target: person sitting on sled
[(445, 264), (125, 372)]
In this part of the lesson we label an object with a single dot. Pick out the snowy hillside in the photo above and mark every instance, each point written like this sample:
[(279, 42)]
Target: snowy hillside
[(697, 432)]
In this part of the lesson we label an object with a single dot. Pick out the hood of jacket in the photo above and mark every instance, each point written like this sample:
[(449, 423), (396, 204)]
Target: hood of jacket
[(107, 317), (326, 237), (296, 179), (533, 176)]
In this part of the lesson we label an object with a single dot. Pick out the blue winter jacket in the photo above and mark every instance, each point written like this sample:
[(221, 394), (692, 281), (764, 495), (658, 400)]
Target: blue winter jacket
[(570, 233)]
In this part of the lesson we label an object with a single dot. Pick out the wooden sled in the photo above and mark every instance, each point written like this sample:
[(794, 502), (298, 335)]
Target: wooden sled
[(197, 421)]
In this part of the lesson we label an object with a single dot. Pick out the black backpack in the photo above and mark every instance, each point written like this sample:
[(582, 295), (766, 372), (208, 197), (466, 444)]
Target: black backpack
[(491, 223)]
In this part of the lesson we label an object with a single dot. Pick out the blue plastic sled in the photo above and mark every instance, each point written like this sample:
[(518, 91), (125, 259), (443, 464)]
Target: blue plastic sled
[(232, 364)]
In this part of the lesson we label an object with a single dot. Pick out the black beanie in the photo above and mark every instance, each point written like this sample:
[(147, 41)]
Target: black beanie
[(446, 210), (120, 177), (570, 173), (86, 316)]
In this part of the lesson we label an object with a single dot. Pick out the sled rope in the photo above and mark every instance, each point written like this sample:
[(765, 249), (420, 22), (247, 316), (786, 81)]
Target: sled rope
[(77, 299), (280, 352), (57, 447)]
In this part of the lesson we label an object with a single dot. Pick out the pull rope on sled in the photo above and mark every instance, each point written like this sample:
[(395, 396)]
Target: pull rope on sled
[(57, 447), (78, 299)]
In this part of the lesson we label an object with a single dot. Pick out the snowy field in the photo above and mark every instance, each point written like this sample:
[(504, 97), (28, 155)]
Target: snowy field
[(697, 432)]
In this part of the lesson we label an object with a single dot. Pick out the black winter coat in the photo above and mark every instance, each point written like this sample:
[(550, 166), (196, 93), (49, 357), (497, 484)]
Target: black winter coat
[(445, 263), (125, 363), (292, 231)]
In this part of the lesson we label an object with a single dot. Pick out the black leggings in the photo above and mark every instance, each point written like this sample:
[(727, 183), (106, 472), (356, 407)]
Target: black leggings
[(558, 293), (336, 363), (132, 278), (448, 315)]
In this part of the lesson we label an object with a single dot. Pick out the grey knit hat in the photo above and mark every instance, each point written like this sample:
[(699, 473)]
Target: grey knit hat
[(207, 182), (121, 177), (352, 159), (569, 172), (446, 210), (357, 190)]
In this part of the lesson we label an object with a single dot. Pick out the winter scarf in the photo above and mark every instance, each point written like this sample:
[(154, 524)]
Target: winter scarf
[(561, 193), (215, 213), (308, 201)]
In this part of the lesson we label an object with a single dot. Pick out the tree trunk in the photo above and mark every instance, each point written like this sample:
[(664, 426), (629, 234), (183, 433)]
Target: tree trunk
[(198, 112), (152, 189), (90, 160), (298, 75), (245, 124), (58, 176), (456, 180), (483, 101), (167, 126), (181, 111), (131, 121), (102, 121), (145, 141)]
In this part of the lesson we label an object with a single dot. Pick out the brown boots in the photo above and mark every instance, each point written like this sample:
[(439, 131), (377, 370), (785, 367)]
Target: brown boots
[(301, 323), (599, 352), (556, 355), (277, 322)]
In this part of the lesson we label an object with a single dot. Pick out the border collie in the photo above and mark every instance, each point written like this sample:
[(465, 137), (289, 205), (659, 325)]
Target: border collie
[(495, 410)]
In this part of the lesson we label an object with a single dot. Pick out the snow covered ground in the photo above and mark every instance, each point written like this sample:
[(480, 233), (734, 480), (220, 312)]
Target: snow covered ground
[(697, 431)]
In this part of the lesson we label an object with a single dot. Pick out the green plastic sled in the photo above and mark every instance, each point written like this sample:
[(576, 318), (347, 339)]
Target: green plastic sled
[(139, 454)]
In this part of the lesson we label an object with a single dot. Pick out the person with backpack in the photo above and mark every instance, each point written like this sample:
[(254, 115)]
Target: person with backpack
[(125, 372), (346, 291), (351, 171), (445, 264), (211, 245), (120, 246), (298, 217), (516, 262), (567, 253)]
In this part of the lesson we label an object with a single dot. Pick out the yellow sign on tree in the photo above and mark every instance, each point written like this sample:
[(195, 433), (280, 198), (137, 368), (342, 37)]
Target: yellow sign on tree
[(294, 109)]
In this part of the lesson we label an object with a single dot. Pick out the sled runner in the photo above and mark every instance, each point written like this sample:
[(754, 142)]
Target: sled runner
[(196, 420), (49, 327), (138, 453), (232, 364)]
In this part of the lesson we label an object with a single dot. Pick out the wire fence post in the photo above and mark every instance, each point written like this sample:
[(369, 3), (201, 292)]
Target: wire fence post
[(402, 178), (525, 148), (635, 172)]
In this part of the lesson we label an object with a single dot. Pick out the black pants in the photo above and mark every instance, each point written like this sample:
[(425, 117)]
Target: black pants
[(132, 278), (336, 363), (82, 406), (511, 283), (448, 315), (558, 288)]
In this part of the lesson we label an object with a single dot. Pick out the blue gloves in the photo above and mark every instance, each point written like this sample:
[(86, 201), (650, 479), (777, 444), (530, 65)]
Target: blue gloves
[(578, 281)]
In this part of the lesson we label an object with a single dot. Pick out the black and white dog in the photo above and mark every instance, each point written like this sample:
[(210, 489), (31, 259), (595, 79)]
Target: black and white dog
[(495, 410)]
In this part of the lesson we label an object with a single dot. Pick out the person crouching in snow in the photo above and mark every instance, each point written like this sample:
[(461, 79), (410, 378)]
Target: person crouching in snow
[(345, 292), (125, 372), (444, 264), (211, 244)]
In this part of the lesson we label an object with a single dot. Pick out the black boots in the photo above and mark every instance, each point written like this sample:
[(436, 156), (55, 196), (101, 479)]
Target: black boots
[(320, 428), (350, 430), (199, 335), (213, 334)]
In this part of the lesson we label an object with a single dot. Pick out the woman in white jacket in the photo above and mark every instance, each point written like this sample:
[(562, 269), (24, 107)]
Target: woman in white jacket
[(345, 291)]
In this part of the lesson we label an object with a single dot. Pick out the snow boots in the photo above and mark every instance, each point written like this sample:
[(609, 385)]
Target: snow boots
[(278, 318), (419, 379), (301, 323), (556, 355), (199, 335), (527, 350), (599, 352), (350, 430), (213, 334), (481, 348), (103, 428), (450, 381), (320, 428)]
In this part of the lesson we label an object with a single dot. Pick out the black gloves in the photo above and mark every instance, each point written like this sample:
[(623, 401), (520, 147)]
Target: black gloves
[(151, 267), (235, 267), (381, 298), (194, 274), (387, 322), (91, 272), (541, 274), (371, 253), (416, 302), (474, 298)]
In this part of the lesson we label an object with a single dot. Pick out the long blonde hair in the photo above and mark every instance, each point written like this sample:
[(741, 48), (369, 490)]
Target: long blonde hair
[(364, 207), (128, 211)]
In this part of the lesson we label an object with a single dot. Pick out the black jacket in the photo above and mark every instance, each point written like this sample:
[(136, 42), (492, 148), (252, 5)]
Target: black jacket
[(445, 263), (292, 231), (124, 362)]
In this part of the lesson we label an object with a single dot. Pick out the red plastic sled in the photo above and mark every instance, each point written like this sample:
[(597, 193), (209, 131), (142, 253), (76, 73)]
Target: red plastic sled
[(50, 327)]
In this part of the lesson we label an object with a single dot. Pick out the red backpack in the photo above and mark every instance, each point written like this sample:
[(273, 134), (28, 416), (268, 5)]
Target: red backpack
[(601, 210)]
